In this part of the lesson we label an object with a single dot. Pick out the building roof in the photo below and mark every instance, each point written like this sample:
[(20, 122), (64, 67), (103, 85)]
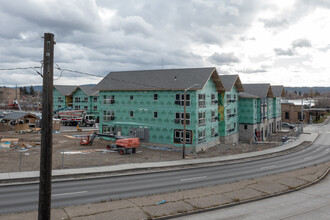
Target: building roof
[(246, 95), (261, 90), (65, 90), (89, 90), (167, 79), (18, 115), (229, 81), (278, 91)]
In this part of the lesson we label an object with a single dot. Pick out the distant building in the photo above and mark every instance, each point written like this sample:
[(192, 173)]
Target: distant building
[(291, 113), (62, 96), (76, 98), (8, 95), (86, 98)]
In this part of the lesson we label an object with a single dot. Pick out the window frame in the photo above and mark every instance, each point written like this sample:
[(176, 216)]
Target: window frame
[(201, 100), (107, 114), (201, 136), (179, 98), (189, 138), (181, 117), (202, 118)]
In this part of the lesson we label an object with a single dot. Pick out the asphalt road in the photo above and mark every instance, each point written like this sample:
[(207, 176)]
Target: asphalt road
[(17, 198)]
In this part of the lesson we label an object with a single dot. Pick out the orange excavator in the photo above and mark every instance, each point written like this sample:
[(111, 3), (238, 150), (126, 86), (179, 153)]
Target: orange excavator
[(124, 145)]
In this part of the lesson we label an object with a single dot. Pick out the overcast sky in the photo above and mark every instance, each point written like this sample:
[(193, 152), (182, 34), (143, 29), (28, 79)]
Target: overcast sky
[(281, 42)]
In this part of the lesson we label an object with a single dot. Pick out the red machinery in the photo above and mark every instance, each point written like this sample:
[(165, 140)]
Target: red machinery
[(123, 145)]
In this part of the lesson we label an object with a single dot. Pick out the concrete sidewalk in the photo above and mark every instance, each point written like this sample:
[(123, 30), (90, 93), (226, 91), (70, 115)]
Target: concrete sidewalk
[(34, 175)]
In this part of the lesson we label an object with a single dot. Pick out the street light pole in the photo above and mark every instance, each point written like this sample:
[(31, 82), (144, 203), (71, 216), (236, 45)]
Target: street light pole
[(184, 120)]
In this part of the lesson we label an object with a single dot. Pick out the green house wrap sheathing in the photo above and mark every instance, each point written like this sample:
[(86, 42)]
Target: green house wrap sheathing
[(62, 96), (228, 113), (248, 111), (58, 100), (84, 101), (138, 109), (277, 107), (130, 104)]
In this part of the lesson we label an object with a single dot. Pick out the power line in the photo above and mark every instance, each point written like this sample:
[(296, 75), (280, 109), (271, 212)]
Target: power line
[(82, 73), (109, 77), (24, 68), (75, 71)]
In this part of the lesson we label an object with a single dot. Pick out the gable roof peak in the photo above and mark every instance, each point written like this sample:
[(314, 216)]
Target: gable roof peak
[(261, 90), (229, 81)]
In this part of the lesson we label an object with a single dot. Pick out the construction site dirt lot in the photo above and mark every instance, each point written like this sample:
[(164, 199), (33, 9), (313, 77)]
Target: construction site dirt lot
[(23, 154)]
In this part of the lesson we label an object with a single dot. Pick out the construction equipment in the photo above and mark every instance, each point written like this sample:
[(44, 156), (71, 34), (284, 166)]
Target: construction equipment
[(67, 108), (76, 117), (124, 145)]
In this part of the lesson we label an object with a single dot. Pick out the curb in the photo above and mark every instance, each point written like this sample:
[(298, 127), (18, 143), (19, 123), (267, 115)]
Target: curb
[(247, 201)]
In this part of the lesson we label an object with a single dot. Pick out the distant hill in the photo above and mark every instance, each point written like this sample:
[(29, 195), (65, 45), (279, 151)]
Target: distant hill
[(307, 89)]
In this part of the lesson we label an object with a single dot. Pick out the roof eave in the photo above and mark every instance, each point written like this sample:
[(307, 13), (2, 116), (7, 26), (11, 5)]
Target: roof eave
[(239, 85)]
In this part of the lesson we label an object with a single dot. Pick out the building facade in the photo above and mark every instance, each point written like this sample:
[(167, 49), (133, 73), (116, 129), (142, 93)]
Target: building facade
[(85, 98), (278, 92), (150, 105), (228, 109), (256, 110), (62, 96), (8, 95), (291, 113)]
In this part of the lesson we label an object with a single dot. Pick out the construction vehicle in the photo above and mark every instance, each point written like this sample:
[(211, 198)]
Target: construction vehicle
[(124, 145), (76, 117), (67, 108)]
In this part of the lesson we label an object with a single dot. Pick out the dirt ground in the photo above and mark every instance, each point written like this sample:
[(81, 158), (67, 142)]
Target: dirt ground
[(68, 153)]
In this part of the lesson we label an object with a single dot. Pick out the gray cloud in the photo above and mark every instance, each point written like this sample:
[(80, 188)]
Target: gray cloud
[(136, 35), (251, 71), (274, 23), (301, 43), (282, 52), (245, 38), (224, 58)]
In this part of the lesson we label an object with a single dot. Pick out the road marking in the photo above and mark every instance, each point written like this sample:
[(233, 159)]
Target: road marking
[(194, 178), (306, 158), (268, 167), (72, 193), (327, 149)]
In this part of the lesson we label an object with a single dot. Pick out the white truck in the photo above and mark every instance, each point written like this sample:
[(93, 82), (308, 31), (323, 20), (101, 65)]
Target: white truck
[(76, 117)]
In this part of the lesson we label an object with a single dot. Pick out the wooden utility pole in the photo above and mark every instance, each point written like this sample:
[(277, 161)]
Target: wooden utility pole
[(45, 183)]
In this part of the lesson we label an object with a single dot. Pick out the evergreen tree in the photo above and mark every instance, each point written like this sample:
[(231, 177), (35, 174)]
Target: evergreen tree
[(24, 90), (32, 90)]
